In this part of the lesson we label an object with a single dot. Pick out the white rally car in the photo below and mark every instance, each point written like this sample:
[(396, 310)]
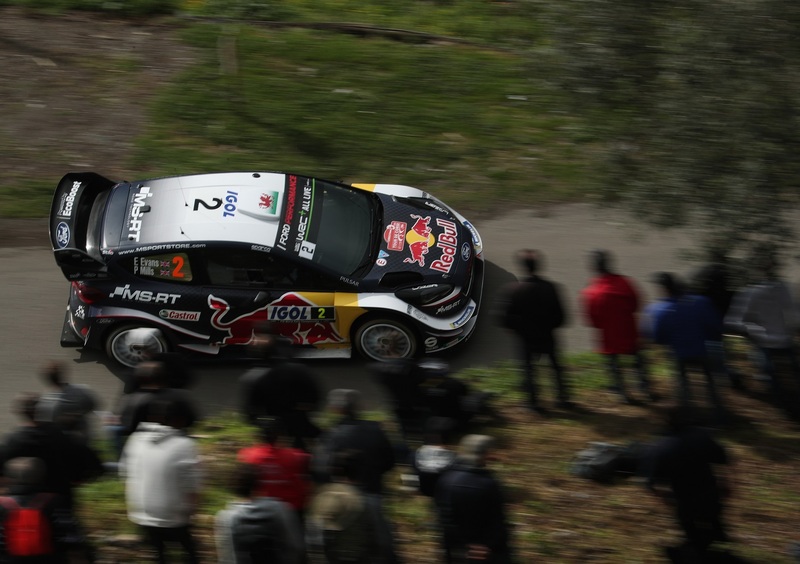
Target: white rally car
[(387, 270)]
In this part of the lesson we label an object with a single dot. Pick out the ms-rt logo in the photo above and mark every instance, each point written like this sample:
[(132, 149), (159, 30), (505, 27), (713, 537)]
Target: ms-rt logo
[(143, 296)]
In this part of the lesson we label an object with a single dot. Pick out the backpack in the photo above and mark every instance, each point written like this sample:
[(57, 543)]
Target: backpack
[(27, 531), (598, 462)]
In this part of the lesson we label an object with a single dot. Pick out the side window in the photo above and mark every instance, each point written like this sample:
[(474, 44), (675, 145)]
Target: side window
[(173, 267), (251, 269)]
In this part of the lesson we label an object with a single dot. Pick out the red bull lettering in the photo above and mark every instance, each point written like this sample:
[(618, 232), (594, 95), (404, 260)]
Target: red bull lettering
[(448, 242)]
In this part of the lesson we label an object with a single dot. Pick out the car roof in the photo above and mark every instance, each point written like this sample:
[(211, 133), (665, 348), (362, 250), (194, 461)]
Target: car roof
[(233, 206)]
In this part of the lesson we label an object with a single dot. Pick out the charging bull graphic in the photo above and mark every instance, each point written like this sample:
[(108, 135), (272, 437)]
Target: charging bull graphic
[(241, 330), (419, 239)]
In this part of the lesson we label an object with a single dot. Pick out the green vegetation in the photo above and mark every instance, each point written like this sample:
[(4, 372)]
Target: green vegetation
[(558, 517)]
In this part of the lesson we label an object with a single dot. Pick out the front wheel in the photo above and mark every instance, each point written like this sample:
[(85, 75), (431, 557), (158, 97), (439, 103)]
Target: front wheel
[(385, 339), (131, 344)]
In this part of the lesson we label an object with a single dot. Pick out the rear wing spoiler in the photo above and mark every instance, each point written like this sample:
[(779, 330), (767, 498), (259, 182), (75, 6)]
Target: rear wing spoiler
[(69, 223)]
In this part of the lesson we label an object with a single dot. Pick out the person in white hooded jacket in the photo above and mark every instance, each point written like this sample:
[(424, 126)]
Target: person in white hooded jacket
[(162, 474)]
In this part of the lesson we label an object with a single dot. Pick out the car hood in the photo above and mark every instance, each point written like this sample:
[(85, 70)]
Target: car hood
[(420, 242)]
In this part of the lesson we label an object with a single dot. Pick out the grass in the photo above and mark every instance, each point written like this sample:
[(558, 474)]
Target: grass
[(481, 128), (558, 517)]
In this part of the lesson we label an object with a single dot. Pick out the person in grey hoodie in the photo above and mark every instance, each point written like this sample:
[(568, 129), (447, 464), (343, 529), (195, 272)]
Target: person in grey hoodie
[(252, 529), (161, 468), (767, 314)]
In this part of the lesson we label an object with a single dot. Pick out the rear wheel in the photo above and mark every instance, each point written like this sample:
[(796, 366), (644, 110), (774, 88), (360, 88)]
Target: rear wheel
[(384, 338), (130, 344)]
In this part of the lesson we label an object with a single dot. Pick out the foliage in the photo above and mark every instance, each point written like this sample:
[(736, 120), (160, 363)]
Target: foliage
[(698, 105)]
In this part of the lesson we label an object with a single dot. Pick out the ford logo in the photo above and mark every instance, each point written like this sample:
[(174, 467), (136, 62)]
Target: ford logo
[(62, 235), (465, 251)]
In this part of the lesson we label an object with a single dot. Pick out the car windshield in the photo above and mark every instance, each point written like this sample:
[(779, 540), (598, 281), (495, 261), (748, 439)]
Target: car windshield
[(346, 227)]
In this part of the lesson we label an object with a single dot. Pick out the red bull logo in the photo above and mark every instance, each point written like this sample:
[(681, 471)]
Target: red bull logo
[(241, 329), (420, 239)]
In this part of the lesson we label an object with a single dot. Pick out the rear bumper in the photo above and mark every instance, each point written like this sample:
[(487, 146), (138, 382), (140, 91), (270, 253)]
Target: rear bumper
[(69, 337)]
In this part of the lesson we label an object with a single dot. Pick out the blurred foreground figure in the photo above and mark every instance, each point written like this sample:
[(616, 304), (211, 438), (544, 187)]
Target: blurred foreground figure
[(683, 468), (533, 312), (766, 314), (279, 387), (161, 468), (611, 304), (35, 525), (66, 405), (256, 528), (471, 507)]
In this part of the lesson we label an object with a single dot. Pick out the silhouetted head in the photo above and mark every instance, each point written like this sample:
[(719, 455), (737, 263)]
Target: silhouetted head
[(245, 479), (600, 261), (670, 285), (473, 450), (529, 260), (25, 471), (25, 406), (345, 402), (53, 374)]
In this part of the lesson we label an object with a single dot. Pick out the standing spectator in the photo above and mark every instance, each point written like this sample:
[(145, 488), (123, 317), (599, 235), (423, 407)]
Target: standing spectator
[(162, 480), (611, 304), (151, 382), (685, 323), (342, 524), (683, 468), (533, 312), (68, 463), (471, 507), (766, 314), (67, 405), (711, 281), (256, 528), (49, 540), (283, 472), (278, 387), (374, 457), (434, 457)]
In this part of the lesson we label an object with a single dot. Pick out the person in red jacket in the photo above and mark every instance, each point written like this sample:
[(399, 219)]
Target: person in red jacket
[(283, 471), (611, 304)]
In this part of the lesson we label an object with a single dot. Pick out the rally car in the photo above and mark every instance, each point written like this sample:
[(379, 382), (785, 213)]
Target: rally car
[(385, 270)]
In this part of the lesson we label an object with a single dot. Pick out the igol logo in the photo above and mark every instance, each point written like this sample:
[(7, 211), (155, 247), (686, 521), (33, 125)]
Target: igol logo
[(62, 235)]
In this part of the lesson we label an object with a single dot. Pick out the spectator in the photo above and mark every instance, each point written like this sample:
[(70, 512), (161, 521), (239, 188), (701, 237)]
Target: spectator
[(255, 528), (283, 472), (533, 312), (67, 405), (683, 468), (342, 524), (67, 462), (711, 281), (471, 507), (277, 387), (611, 304), (374, 453), (433, 458), (766, 314), (53, 539), (162, 475), (152, 380), (685, 323)]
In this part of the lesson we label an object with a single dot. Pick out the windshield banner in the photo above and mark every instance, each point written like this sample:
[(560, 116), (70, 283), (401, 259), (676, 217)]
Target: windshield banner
[(300, 222)]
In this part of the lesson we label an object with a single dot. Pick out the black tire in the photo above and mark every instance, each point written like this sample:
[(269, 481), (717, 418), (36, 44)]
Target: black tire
[(128, 350), (385, 338)]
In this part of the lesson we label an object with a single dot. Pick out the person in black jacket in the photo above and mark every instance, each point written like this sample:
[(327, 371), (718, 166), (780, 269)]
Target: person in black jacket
[(373, 456), (471, 507), (685, 468), (533, 311)]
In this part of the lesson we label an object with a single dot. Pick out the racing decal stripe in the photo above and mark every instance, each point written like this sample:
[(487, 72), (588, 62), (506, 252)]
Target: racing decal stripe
[(367, 187), (117, 312), (348, 310)]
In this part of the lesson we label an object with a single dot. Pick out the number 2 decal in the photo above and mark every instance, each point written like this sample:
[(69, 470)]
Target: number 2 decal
[(198, 202), (178, 262), (230, 206)]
